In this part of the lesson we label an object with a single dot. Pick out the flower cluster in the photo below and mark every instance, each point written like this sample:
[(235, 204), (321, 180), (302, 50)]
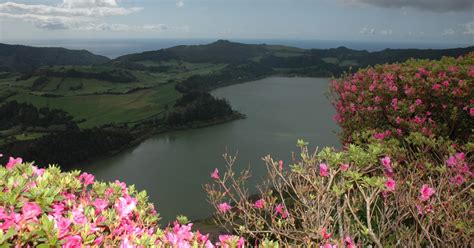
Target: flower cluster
[(433, 97), (52, 208)]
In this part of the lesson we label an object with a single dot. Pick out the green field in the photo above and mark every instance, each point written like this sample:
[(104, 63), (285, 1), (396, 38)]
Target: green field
[(103, 109)]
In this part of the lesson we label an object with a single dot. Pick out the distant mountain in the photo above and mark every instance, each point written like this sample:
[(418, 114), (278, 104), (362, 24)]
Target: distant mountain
[(291, 60), (221, 51), (24, 58)]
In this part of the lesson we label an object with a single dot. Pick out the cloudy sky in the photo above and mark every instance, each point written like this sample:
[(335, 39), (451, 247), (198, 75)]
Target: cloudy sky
[(444, 21)]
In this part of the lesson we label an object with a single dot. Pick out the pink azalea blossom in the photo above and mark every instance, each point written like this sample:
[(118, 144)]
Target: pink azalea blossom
[(215, 174), (86, 178), (280, 209), (457, 180), (224, 207), (390, 184), (74, 241), (30, 210), (260, 204), (387, 164), (344, 167), (100, 204), (349, 242), (323, 170), (426, 192), (125, 206), (327, 245), (325, 234), (12, 162)]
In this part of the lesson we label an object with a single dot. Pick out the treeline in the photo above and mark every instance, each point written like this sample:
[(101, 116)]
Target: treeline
[(14, 114), (305, 65), (110, 75), (70, 147), (231, 74), (129, 65), (199, 106)]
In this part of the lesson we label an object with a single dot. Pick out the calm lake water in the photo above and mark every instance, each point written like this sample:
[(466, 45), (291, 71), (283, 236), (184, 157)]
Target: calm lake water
[(173, 167)]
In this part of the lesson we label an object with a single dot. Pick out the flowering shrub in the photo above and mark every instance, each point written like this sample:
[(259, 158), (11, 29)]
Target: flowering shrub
[(431, 97), (374, 194), (404, 177), (45, 207)]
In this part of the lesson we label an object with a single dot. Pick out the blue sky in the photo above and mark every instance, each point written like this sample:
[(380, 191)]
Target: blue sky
[(445, 21)]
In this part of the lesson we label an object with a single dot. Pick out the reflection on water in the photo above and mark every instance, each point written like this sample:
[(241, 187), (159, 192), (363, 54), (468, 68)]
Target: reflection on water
[(172, 167)]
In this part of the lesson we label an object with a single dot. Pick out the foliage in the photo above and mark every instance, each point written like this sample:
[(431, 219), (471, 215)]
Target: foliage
[(403, 178), (433, 97), (375, 194), (50, 208), (14, 114), (199, 107)]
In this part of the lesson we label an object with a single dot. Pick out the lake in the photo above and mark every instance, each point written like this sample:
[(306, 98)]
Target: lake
[(173, 167)]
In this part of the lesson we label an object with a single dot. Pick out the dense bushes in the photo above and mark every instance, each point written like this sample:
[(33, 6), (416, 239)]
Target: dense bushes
[(48, 208), (431, 97), (199, 107), (404, 177), (14, 114)]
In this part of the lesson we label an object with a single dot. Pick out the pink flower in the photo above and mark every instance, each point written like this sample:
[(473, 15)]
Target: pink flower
[(471, 111), (100, 204), (30, 210), (126, 244), (426, 192), (457, 180), (280, 209), (280, 165), (12, 162), (215, 174), (323, 170), (87, 178), (387, 164), (62, 224), (349, 242), (327, 245), (390, 184), (344, 167), (325, 234), (418, 102), (224, 207), (74, 241), (260, 204), (125, 206)]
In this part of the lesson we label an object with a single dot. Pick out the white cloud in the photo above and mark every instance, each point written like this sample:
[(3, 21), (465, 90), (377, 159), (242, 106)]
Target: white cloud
[(448, 32), (386, 32), (179, 3), (367, 31), (74, 14), (468, 28), (427, 5)]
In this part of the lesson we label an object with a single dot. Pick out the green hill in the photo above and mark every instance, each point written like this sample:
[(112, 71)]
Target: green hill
[(20, 58)]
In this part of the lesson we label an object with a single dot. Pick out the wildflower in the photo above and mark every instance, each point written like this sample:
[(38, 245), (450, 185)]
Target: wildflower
[(215, 174), (224, 207), (323, 170), (426, 192), (260, 203)]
